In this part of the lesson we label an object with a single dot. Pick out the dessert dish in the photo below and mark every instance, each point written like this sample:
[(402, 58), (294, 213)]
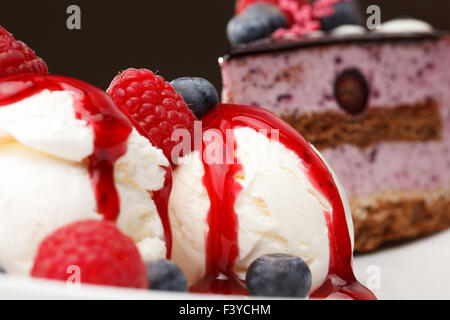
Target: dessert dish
[(374, 103), (224, 215), (86, 176)]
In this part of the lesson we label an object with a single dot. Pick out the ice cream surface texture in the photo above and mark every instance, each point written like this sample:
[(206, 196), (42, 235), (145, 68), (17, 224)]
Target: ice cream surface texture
[(287, 217), (67, 154), (277, 196)]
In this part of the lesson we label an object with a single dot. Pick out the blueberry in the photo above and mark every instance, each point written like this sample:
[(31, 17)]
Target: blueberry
[(351, 91), (347, 12), (2, 270), (258, 21), (243, 29), (165, 275), (199, 94), (272, 13), (278, 275)]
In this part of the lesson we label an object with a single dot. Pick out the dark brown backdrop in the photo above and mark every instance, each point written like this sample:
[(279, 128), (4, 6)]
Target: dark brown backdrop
[(178, 38)]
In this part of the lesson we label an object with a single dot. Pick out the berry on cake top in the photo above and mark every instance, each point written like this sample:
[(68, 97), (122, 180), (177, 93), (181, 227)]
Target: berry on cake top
[(259, 19)]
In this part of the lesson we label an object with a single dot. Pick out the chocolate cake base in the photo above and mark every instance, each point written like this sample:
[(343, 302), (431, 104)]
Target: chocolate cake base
[(398, 216)]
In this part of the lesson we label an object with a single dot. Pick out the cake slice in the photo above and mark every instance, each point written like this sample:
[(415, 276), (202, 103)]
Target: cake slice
[(377, 105)]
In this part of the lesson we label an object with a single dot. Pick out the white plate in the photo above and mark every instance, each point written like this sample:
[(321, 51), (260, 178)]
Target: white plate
[(419, 269), (415, 270)]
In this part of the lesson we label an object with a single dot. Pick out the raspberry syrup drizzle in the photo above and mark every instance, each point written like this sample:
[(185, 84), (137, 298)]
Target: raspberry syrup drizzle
[(111, 131), (222, 242), (222, 239), (161, 199)]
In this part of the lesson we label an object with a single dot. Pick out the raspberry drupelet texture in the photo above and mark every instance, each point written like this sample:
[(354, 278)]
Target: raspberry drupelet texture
[(154, 105), (241, 5), (17, 58), (102, 254), (303, 15)]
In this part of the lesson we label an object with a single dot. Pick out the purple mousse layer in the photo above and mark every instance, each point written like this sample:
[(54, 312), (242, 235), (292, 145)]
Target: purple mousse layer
[(300, 81), (394, 166)]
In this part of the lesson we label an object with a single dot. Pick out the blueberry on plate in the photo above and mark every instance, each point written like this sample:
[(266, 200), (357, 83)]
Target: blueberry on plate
[(198, 93), (2, 270), (345, 13), (165, 275), (278, 275), (258, 21)]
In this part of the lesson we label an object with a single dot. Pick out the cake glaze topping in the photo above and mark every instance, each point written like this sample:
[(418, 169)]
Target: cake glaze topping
[(346, 30), (407, 25)]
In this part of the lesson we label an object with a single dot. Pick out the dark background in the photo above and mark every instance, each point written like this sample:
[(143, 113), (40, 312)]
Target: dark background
[(175, 37)]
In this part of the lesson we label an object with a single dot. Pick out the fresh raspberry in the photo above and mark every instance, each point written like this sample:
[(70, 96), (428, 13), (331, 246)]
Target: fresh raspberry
[(17, 58), (102, 253), (303, 15), (241, 5), (154, 105)]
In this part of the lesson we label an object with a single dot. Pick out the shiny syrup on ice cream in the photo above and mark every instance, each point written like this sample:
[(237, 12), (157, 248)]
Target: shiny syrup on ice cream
[(111, 131), (222, 248)]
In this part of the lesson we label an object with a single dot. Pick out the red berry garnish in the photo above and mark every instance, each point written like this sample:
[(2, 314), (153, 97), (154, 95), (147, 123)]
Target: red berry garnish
[(303, 15), (101, 253), (17, 58), (154, 105), (241, 5)]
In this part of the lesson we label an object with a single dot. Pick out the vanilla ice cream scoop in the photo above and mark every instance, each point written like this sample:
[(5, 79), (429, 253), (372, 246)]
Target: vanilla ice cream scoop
[(68, 154), (257, 187)]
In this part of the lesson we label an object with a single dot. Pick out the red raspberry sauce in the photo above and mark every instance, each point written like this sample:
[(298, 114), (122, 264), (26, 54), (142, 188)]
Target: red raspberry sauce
[(222, 246), (111, 131)]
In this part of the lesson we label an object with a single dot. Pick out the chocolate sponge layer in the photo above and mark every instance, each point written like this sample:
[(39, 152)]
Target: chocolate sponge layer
[(408, 123)]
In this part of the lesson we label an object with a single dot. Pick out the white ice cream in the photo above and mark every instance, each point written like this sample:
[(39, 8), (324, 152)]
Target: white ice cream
[(45, 183), (279, 211)]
